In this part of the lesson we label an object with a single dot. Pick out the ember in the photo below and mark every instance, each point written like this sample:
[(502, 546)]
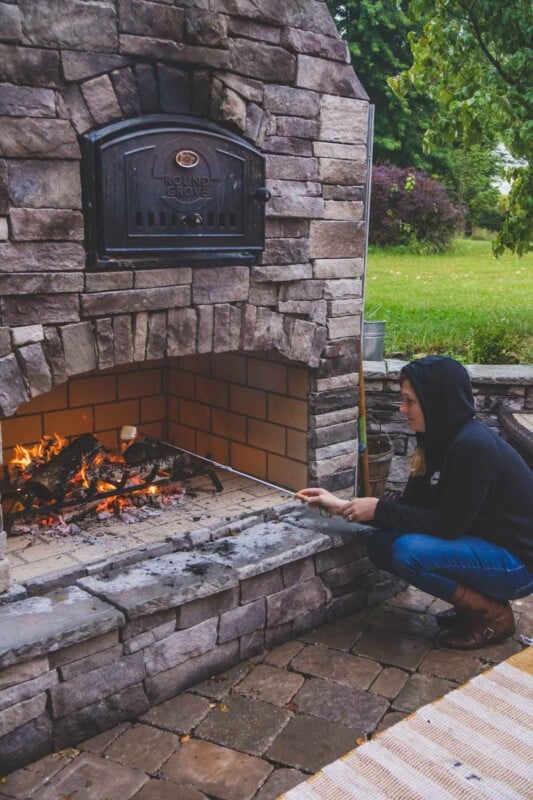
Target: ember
[(56, 482)]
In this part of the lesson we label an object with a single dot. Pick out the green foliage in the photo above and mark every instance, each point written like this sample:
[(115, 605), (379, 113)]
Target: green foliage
[(376, 32), (469, 178), (473, 59), (494, 343), (408, 207), (435, 303)]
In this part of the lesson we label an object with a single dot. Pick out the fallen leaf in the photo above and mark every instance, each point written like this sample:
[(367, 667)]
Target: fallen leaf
[(223, 707), (212, 705), (360, 740), (291, 707), (219, 678), (3, 780), (185, 738)]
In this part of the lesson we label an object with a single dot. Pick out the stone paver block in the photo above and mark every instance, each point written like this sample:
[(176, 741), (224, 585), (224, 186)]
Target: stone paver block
[(180, 714), (98, 777), (308, 743), (25, 781), (321, 662), (281, 656), (390, 682), (390, 719), (144, 747), (218, 686), (497, 652), (340, 635), (398, 619), (419, 690), (279, 781), (451, 665), (97, 744), (219, 771), (272, 685), (247, 725), (413, 599), (356, 709), (43, 624), (166, 790), (161, 583), (392, 647)]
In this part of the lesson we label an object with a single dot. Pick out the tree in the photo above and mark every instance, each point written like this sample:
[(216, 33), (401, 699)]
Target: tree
[(473, 60), (377, 36), (469, 179)]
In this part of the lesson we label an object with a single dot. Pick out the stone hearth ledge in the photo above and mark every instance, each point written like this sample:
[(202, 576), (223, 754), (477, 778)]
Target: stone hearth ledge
[(100, 603), (80, 659)]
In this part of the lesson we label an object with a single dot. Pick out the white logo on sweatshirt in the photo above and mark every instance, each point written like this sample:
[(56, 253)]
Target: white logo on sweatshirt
[(435, 478)]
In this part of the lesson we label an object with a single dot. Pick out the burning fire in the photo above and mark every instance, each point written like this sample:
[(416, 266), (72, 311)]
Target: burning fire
[(41, 452), (55, 479)]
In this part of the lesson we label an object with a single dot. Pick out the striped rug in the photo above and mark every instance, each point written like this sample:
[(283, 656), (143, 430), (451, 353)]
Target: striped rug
[(474, 743)]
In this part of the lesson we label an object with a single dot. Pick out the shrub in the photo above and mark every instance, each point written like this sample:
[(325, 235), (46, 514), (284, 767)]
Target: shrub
[(494, 344), (410, 208)]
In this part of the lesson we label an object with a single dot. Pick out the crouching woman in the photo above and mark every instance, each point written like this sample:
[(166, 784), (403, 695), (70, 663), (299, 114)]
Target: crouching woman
[(463, 528)]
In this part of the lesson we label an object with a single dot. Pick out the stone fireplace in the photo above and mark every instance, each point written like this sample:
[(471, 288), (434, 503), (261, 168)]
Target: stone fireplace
[(248, 351), (255, 363)]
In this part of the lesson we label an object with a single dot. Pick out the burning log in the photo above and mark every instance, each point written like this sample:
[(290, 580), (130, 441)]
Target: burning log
[(50, 480)]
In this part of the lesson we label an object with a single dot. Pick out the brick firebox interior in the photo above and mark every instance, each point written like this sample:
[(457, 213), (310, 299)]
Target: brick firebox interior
[(248, 412)]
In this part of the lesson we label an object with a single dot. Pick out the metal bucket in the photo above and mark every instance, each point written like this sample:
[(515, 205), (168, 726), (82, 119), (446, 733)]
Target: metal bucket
[(380, 453), (373, 340)]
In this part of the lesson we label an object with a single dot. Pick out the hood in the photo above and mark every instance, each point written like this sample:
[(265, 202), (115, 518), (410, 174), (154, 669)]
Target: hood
[(444, 391)]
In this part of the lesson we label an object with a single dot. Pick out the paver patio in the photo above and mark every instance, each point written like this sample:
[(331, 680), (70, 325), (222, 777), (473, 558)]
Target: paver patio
[(265, 725)]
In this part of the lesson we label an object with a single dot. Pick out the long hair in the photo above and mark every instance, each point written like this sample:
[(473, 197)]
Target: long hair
[(418, 457)]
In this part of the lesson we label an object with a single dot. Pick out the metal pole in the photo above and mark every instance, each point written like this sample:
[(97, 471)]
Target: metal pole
[(230, 469), (363, 450)]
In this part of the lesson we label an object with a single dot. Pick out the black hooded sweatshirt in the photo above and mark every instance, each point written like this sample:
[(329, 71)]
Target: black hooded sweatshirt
[(475, 483)]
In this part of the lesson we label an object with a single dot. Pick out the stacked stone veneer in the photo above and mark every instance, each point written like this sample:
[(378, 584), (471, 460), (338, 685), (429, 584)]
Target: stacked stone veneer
[(492, 385), (81, 659), (274, 72)]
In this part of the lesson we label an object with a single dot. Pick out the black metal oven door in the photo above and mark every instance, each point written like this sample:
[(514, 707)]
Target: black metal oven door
[(170, 190)]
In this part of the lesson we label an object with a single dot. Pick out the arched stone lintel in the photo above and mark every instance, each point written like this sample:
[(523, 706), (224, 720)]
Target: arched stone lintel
[(65, 351)]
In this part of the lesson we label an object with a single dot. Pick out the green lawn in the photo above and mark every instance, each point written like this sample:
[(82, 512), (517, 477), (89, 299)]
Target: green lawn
[(465, 303)]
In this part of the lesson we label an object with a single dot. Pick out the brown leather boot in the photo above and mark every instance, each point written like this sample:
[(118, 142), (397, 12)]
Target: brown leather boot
[(485, 620)]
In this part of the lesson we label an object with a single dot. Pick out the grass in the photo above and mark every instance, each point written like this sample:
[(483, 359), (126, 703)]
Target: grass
[(465, 303)]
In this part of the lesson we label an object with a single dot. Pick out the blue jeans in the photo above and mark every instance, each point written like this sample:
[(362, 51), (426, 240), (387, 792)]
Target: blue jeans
[(437, 565)]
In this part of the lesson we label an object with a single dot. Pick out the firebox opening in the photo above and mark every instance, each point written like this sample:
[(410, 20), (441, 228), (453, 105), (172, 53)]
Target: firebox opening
[(249, 412)]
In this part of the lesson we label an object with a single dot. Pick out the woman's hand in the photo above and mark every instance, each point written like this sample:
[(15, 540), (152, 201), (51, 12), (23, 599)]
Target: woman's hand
[(321, 498), (361, 509)]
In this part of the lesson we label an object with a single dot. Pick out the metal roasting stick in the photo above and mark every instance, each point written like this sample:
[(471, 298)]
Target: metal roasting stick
[(234, 471)]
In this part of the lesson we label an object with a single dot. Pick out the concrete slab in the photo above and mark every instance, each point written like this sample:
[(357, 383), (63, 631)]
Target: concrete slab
[(265, 547), (45, 624), (161, 583)]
